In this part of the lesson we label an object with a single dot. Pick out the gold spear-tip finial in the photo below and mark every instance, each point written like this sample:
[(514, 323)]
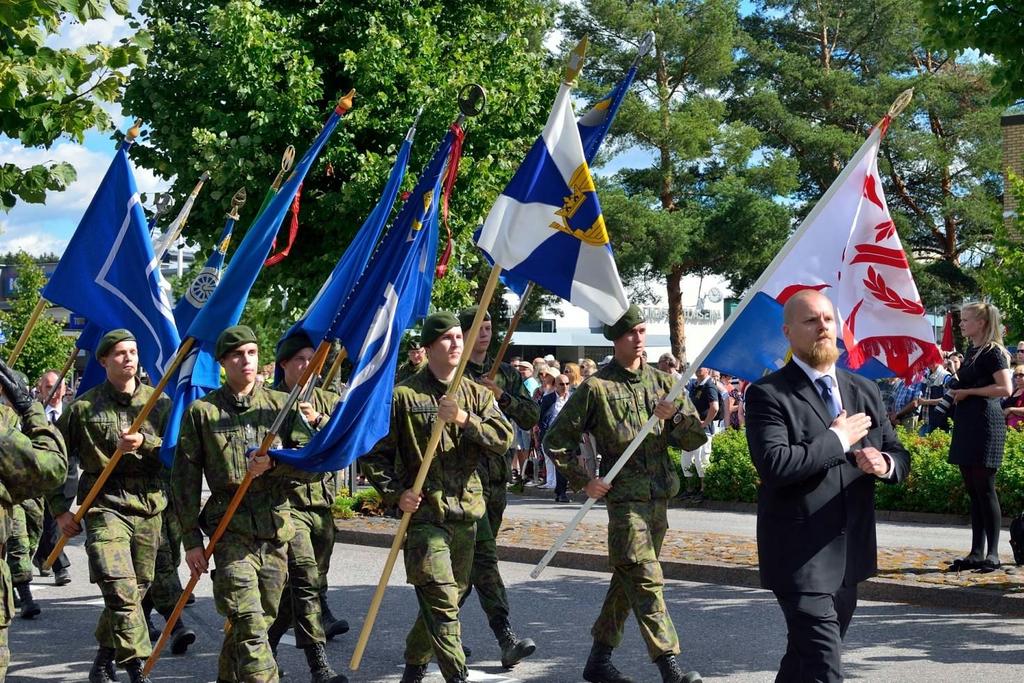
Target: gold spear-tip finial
[(237, 201), (134, 131), (345, 103), (901, 103), (576, 58), (287, 159)]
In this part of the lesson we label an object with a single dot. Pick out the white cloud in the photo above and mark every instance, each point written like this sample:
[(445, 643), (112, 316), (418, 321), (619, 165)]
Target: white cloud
[(35, 241), (74, 34)]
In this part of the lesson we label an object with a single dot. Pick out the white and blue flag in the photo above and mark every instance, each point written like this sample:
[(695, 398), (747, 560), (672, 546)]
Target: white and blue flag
[(109, 274), (549, 215)]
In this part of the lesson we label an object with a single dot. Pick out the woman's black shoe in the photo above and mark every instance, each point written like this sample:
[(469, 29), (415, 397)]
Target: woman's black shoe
[(988, 566), (964, 564)]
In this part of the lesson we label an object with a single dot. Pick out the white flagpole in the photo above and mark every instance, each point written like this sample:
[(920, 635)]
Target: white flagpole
[(680, 383)]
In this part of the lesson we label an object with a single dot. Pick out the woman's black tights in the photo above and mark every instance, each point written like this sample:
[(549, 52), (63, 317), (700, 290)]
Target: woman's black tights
[(986, 517)]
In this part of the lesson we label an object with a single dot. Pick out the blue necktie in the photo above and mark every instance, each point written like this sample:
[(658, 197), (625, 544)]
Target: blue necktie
[(825, 388)]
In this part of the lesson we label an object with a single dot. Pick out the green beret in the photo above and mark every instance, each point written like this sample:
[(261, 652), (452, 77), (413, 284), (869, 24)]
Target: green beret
[(437, 324), (466, 317), (233, 337), (630, 319), (112, 339), (289, 346)]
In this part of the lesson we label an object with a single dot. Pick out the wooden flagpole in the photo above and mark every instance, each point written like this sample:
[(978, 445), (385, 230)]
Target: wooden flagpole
[(335, 366), (33, 318), (236, 500), (421, 475), (87, 502), (513, 324)]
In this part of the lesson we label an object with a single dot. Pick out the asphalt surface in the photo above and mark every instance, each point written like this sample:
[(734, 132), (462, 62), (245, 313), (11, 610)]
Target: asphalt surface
[(727, 633)]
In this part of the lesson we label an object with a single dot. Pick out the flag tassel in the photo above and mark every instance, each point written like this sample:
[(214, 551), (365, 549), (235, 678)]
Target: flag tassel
[(421, 475), (451, 174), (236, 500), (101, 480)]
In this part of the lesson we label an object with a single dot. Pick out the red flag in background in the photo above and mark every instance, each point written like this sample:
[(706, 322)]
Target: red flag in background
[(947, 334)]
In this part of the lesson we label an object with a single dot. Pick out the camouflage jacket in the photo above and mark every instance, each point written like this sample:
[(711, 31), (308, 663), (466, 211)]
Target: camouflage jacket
[(515, 403), (452, 490), (32, 461), (613, 405), (216, 432), (91, 427), (407, 370), (318, 494)]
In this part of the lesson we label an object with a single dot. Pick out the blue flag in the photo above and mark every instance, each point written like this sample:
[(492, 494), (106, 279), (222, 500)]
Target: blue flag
[(199, 372), (224, 307), (109, 274), (387, 299)]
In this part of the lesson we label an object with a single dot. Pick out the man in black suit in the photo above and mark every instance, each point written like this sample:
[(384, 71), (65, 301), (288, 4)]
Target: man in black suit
[(550, 406), (819, 438)]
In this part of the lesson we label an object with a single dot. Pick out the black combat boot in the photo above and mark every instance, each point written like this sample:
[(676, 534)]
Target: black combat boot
[(599, 667), (332, 626), (181, 637), (29, 607), (458, 678), (319, 670), (102, 670), (671, 673), (513, 650), (134, 669), (414, 673)]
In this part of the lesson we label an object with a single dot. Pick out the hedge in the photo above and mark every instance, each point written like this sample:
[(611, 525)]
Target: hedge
[(932, 486)]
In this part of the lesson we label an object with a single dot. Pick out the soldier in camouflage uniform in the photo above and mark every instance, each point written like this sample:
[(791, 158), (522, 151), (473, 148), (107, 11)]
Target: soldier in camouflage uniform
[(123, 524), (414, 363), (32, 459), (304, 600), (442, 531), (613, 405), (217, 433), (27, 525), (518, 407)]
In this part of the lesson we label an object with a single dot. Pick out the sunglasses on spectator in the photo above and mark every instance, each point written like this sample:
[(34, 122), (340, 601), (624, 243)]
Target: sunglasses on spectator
[(1018, 374), (563, 384)]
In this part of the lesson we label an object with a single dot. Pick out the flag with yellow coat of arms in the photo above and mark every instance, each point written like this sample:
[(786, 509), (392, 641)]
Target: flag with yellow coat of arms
[(547, 225)]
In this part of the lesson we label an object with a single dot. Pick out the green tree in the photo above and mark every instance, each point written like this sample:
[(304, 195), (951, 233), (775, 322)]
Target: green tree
[(994, 27), (230, 84), (816, 75), (46, 347), (46, 92), (1002, 278), (701, 207)]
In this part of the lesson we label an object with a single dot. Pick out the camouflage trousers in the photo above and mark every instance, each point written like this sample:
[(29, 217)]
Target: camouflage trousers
[(309, 558), (27, 518), (485, 577), (122, 555), (166, 588), (247, 590), (6, 614), (438, 561), (635, 532)]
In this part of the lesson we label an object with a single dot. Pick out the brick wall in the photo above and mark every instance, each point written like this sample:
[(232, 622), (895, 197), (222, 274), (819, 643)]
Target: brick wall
[(1013, 160)]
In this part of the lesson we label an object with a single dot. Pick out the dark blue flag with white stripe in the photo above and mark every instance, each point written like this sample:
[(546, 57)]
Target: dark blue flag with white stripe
[(387, 299), (109, 274)]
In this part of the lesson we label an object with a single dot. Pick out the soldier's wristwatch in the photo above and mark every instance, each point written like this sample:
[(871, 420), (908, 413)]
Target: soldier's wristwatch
[(678, 417)]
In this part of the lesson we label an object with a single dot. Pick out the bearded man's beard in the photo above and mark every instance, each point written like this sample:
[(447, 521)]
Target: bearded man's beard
[(823, 353)]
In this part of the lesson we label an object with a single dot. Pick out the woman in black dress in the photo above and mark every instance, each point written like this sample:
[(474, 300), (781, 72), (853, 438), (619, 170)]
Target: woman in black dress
[(979, 429)]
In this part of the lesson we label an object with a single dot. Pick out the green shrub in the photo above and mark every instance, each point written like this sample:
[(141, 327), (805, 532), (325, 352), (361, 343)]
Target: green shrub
[(342, 508), (730, 474), (368, 502)]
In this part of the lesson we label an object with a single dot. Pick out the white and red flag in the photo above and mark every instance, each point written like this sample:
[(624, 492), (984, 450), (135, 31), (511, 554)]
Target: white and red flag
[(848, 249)]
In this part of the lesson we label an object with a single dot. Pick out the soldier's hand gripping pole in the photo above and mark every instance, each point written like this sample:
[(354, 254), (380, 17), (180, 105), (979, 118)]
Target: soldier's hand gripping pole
[(428, 456), (87, 502), (314, 365)]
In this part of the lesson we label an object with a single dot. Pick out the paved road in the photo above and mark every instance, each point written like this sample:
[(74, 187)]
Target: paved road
[(729, 634), (891, 535)]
